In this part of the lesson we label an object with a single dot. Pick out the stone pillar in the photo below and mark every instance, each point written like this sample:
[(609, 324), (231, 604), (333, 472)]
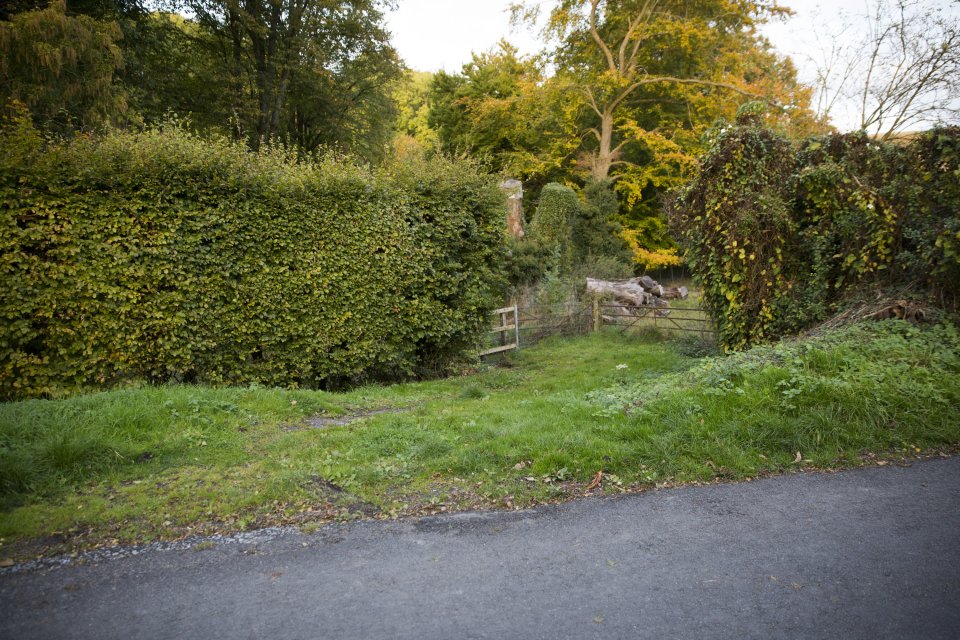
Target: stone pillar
[(513, 191)]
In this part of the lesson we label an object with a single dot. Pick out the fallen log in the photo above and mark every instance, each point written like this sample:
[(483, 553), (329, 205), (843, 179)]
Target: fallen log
[(637, 296), (630, 292), (638, 291), (674, 293), (652, 286)]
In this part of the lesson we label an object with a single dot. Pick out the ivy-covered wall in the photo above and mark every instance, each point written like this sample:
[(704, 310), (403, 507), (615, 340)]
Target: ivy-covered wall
[(776, 233), (158, 256)]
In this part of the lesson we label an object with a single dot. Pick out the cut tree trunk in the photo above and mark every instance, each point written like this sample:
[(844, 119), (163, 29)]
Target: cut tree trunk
[(627, 292), (637, 296)]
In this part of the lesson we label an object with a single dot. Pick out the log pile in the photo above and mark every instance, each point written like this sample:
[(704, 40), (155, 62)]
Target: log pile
[(637, 296)]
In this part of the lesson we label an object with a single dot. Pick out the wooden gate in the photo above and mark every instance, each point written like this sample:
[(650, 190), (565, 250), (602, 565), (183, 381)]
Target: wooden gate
[(507, 331), (685, 319)]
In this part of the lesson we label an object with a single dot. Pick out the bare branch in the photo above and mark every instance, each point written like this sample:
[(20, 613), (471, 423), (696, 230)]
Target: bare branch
[(904, 71)]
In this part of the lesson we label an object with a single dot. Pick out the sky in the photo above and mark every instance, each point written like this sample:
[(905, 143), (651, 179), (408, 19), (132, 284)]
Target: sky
[(431, 35), (441, 34), (434, 35)]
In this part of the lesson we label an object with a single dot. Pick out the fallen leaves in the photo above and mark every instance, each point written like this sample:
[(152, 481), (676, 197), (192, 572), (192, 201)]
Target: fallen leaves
[(597, 479)]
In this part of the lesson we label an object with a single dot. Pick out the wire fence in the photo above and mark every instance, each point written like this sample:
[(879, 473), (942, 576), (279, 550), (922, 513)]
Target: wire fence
[(523, 325)]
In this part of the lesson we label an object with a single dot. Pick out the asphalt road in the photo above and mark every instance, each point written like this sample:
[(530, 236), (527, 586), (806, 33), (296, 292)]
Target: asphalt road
[(872, 553)]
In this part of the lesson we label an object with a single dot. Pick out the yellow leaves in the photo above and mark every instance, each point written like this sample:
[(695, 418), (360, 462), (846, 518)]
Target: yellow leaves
[(650, 259), (669, 167)]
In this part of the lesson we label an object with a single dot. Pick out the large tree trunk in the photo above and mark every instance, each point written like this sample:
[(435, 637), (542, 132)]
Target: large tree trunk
[(604, 157)]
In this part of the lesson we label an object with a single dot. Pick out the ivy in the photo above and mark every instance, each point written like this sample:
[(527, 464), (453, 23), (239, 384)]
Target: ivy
[(776, 234), (552, 225)]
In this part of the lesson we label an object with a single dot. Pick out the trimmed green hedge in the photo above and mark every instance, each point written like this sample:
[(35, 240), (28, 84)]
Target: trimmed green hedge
[(159, 256), (552, 224)]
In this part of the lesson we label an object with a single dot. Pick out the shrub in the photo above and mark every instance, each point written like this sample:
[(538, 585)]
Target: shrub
[(776, 235), (596, 233), (160, 256), (742, 243), (525, 264), (552, 224), (931, 232)]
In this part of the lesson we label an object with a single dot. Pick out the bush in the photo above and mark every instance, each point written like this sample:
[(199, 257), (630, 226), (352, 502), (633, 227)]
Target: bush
[(161, 256), (526, 263), (552, 224), (931, 232), (742, 243), (775, 235), (596, 233)]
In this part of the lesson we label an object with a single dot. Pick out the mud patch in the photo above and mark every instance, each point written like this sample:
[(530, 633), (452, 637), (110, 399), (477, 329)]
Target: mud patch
[(342, 499), (322, 422)]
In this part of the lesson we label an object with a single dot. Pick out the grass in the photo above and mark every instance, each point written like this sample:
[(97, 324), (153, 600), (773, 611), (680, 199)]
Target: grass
[(166, 462)]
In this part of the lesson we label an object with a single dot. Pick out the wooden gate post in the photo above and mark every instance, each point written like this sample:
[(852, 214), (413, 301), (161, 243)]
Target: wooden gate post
[(516, 325), (597, 318)]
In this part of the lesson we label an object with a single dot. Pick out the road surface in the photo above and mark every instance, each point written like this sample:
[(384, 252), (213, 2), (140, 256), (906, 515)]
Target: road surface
[(870, 553)]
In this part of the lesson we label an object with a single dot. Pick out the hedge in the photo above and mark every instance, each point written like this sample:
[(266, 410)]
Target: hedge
[(552, 224), (777, 234), (159, 256)]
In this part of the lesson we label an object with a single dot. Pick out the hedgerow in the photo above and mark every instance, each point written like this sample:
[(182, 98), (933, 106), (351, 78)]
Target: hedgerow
[(777, 234), (159, 256)]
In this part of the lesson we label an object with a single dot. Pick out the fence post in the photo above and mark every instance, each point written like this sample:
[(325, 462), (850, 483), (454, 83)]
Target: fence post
[(503, 323), (516, 324), (597, 319)]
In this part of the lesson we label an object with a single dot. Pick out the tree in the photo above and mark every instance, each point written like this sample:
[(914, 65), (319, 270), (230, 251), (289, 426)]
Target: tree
[(349, 107), (411, 94), (172, 66), (484, 110), (312, 71), (9, 8), (62, 67), (613, 49), (645, 79), (903, 72), (596, 231)]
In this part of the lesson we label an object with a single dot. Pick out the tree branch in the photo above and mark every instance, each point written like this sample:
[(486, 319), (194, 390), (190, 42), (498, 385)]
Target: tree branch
[(595, 34)]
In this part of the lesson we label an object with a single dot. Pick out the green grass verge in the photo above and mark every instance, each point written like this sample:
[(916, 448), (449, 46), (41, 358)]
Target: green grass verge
[(165, 462)]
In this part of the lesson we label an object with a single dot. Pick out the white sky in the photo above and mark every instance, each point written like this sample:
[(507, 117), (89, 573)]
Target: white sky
[(441, 34)]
